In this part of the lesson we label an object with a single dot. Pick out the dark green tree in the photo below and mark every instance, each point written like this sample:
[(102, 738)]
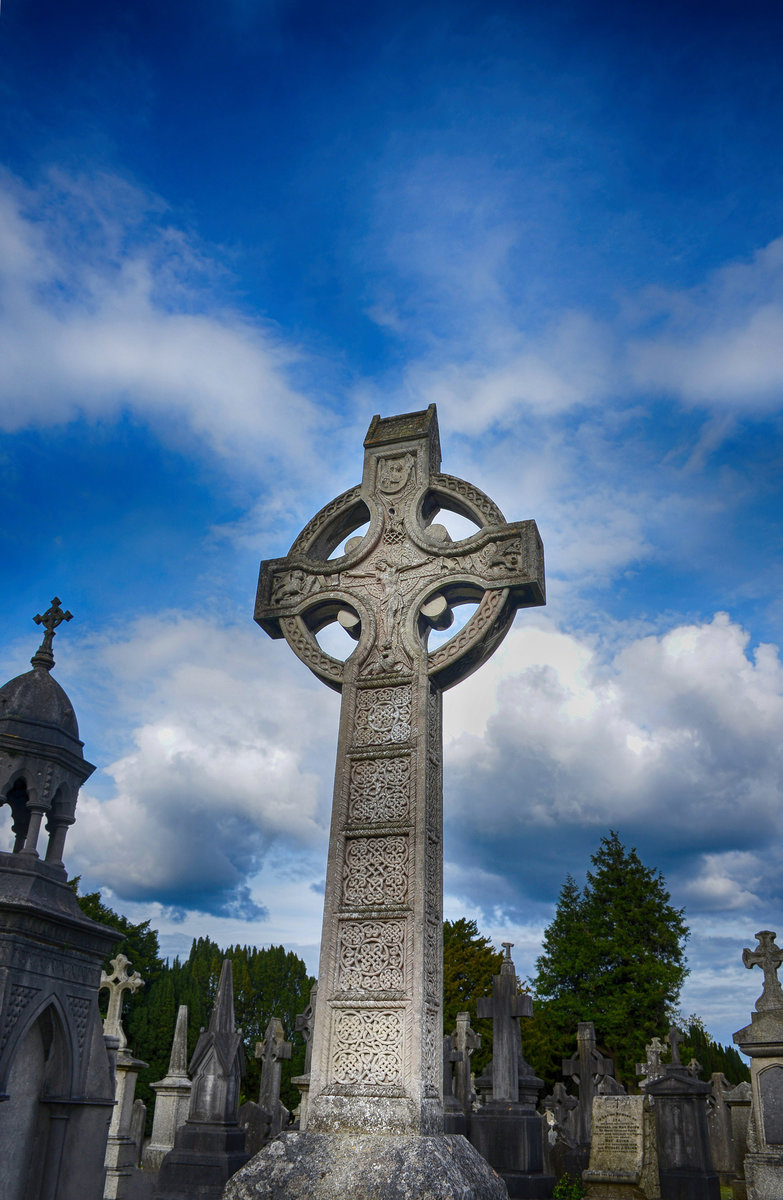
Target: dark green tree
[(469, 962), (712, 1055), (614, 955)]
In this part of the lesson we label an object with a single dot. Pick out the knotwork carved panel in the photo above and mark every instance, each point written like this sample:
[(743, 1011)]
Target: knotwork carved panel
[(371, 955), (383, 716), (379, 790), (375, 871), (367, 1046), (433, 1039), (432, 983)]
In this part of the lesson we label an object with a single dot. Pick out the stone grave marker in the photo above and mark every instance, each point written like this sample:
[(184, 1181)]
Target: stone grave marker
[(121, 1152), (305, 1023), (762, 1041), (623, 1152), (685, 1164), (172, 1097), (466, 1041), (376, 1062), (587, 1067), (453, 1116)]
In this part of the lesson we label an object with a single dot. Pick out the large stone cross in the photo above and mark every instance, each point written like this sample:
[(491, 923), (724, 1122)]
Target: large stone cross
[(504, 1008), (117, 984), (466, 1040), (587, 1068), (376, 1063), (769, 957)]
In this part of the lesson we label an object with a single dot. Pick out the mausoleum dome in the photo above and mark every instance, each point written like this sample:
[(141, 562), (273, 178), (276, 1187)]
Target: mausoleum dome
[(36, 699)]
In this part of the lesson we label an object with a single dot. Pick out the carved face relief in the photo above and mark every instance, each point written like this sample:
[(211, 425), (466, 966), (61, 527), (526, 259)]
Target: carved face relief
[(395, 473)]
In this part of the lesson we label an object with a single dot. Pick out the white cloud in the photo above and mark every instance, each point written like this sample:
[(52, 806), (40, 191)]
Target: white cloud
[(106, 306)]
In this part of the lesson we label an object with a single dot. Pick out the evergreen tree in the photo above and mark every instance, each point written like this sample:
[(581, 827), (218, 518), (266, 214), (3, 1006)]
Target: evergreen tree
[(711, 1054), (614, 955), (469, 962)]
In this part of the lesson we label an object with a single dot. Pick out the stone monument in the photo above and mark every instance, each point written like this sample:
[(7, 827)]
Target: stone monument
[(762, 1041), (56, 1077), (122, 1154), (305, 1023), (507, 1130), (684, 1156), (172, 1097), (466, 1041), (587, 1068), (376, 1062), (623, 1154), (454, 1120)]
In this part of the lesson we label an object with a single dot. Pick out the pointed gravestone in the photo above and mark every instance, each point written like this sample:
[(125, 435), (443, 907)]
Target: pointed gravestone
[(210, 1146), (684, 1155), (305, 1023), (508, 1131), (376, 1066), (587, 1068), (466, 1041), (121, 1151), (172, 1098), (762, 1041)]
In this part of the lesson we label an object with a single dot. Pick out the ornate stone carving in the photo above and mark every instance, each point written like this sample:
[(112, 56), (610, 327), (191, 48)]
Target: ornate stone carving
[(80, 1009), (376, 871), (486, 613), (460, 488), (379, 790), (367, 1046), (432, 981), (19, 997), (432, 1043), (322, 519), (383, 716), (433, 876), (371, 955)]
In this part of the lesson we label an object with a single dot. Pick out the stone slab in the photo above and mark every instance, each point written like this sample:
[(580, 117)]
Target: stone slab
[(623, 1158), (315, 1166)]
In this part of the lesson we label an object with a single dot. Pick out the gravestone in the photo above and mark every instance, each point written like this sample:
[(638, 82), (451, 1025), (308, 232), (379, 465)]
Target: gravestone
[(623, 1152), (653, 1068), (466, 1041), (738, 1102), (454, 1120), (684, 1158), (587, 1068), (762, 1041), (560, 1149), (122, 1154), (507, 1130), (138, 1124), (172, 1097), (305, 1023), (376, 1064), (719, 1125), (210, 1146)]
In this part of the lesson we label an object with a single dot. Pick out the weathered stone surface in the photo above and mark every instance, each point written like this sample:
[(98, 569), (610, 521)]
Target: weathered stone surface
[(762, 1041), (685, 1164), (301, 1166), (623, 1152), (172, 1097)]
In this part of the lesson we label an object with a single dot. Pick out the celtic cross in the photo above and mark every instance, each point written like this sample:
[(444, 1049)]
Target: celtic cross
[(769, 957), (376, 1063), (53, 617)]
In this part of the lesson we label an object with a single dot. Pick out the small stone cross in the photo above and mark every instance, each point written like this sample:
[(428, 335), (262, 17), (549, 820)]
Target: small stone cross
[(117, 984), (695, 1068), (769, 957), (504, 1008), (674, 1039), (466, 1040), (53, 617), (450, 1056), (652, 1069), (587, 1067), (272, 1051), (305, 1023)]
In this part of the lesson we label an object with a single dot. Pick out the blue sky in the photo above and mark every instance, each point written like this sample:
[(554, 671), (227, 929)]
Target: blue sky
[(228, 236)]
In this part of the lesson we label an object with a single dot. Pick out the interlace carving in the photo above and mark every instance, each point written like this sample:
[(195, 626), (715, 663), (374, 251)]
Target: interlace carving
[(371, 955), (368, 1046), (322, 518), (383, 715), (376, 871), (432, 960), (467, 491), (379, 790), (433, 885), (432, 1042), (485, 614)]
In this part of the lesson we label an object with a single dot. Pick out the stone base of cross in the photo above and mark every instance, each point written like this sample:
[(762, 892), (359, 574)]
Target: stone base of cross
[(377, 1050)]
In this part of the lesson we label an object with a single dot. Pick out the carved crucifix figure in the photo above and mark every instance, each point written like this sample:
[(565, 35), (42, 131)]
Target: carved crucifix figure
[(376, 1062), (769, 957)]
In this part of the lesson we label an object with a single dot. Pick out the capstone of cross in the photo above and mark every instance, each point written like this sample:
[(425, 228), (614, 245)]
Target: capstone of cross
[(376, 1048), (53, 617), (118, 983), (769, 957)]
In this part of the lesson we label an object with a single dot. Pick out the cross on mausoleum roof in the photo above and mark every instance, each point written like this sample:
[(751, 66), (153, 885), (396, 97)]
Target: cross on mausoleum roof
[(53, 617)]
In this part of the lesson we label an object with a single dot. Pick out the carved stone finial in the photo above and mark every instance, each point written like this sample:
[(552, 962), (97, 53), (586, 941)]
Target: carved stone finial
[(118, 983), (507, 966), (769, 957), (53, 617)]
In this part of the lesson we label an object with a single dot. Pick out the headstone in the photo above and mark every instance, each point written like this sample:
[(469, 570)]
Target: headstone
[(762, 1041), (466, 1041), (273, 1051), (56, 1071), (561, 1156), (137, 1126), (587, 1067), (719, 1125), (305, 1024), (623, 1156), (738, 1102), (684, 1157), (376, 1065), (653, 1067), (507, 1130), (210, 1147), (172, 1097), (453, 1116), (122, 1152)]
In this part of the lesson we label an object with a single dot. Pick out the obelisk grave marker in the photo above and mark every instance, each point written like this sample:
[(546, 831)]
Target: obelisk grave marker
[(377, 1048)]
